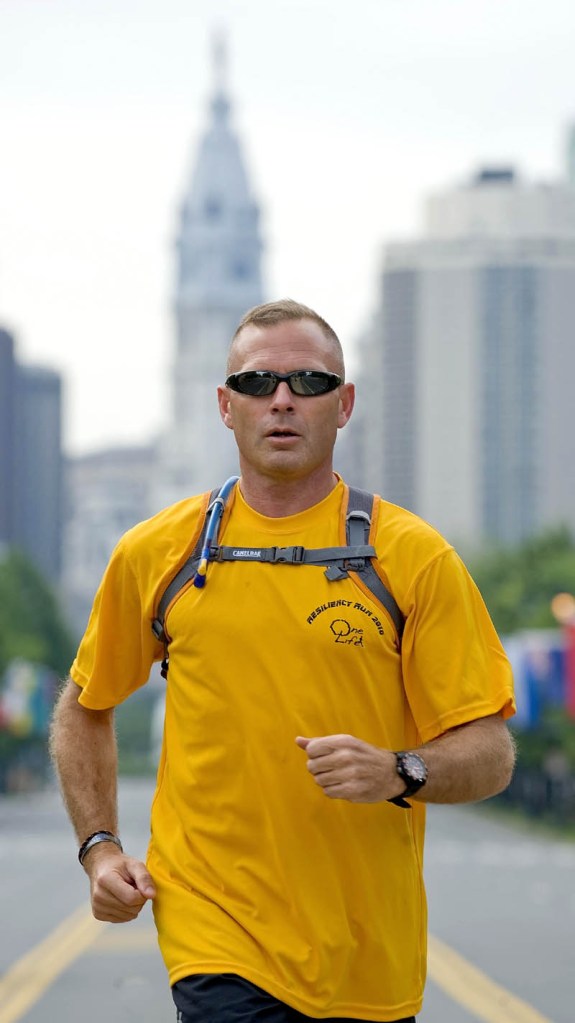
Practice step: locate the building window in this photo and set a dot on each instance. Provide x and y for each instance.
(212, 208)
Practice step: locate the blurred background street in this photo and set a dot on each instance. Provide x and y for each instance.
(501, 896)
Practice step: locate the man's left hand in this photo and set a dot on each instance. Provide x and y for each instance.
(348, 768)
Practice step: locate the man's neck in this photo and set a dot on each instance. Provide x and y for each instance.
(276, 498)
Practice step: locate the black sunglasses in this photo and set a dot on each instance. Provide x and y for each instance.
(261, 382)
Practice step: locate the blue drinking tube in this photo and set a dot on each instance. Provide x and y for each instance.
(216, 513)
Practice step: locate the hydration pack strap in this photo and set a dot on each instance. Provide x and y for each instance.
(339, 561)
(297, 555)
(358, 527)
(183, 577)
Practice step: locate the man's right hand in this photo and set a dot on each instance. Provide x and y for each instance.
(119, 885)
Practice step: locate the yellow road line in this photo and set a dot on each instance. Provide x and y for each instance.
(474, 990)
(25, 982)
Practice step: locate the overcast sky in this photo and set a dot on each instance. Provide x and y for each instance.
(350, 114)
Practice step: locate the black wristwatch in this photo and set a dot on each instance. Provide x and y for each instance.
(413, 769)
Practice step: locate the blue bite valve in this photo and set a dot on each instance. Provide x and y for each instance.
(200, 576)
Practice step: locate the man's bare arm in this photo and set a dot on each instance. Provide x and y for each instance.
(84, 751)
(466, 764)
(83, 747)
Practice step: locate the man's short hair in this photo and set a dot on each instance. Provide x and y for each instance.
(271, 313)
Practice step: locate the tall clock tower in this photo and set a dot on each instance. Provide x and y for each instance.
(218, 278)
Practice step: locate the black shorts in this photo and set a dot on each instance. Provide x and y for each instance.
(225, 998)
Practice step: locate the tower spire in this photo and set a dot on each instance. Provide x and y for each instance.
(220, 60)
(220, 103)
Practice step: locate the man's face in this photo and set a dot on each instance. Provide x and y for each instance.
(285, 435)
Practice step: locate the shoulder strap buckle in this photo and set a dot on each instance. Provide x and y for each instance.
(336, 571)
(291, 555)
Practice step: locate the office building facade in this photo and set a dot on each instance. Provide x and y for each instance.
(31, 467)
(38, 475)
(473, 354)
(107, 492)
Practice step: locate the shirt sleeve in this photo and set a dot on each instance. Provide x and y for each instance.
(118, 648)
(454, 666)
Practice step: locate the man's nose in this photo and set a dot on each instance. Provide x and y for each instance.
(282, 396)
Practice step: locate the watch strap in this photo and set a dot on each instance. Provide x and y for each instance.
(400, 801)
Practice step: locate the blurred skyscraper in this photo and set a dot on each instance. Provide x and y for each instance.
(38, 478)
(107, 492)
(31, 471)
(471, 363)
(218, 278)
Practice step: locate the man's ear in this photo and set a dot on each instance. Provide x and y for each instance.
(346, 403)
(224, 405)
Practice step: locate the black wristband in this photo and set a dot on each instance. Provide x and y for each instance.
(95, 839)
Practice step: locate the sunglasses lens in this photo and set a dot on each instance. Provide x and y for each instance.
(255, 384)
(309, 383)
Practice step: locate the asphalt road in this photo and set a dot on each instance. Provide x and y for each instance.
(502, 923)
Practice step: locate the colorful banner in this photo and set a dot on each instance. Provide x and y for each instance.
(27, 694)
(539, 661)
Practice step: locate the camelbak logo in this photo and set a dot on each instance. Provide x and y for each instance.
(247, 554)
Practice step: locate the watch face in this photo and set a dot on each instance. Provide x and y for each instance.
(413, 767)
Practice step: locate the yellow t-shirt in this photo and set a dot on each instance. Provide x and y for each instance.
(319, 901)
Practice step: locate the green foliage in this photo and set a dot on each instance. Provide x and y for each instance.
(31, 629)
(518, 585)
(31, 624)
(554, 735)
(133, 729)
